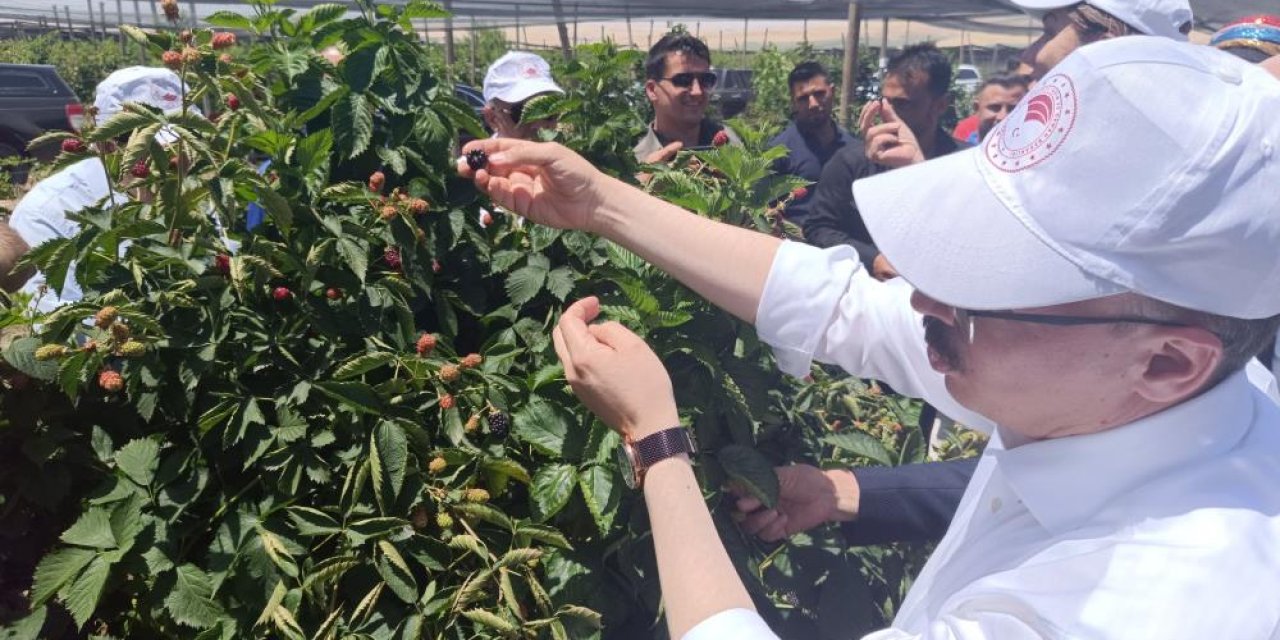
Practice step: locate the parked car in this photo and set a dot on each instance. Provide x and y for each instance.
(733, 91)
(33, 100)
(968, 78)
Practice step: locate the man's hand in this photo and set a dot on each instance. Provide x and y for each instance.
(542, 181)
(614, 372)
(891, 143)
(807, 497)
(881, 269)
(664, 154)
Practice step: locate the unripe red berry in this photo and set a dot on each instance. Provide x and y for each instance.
(233, 102)
(223, 40)
(377, 180)
(172, 59)
(105, 317)
(446, 401)
(280, 294)
(388, 213)
(140, 169)
(486, 219)
(426, 343)
(472, 360)
(419, 206)
(185, 36)
(222, 264)
(333, 293)
(799, 193)
(450, 372)
(191, 55)
(110, 380)
(225, 58)
(392, 256)
(73, 145)
(720, 139)
(435, 266)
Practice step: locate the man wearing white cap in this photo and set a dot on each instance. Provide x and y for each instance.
(41, 215)
(1132, 487)
(510, 83)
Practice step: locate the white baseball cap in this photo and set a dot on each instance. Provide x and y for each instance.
(153, 86)
(1138, 164)
(1165, 18)
(517, 76)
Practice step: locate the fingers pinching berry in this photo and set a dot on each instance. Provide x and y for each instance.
(477, 159)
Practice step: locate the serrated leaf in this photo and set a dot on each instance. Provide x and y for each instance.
(491, 620)
(542, 425)
(138, 460)
(356, 395)
(57, 569)
(229, 20)
(544, 534)
(560, 282)
(750, 469)
(191, 601)
(389, 455)
(81, 595)
(506, 467)
(468, 542)
(584, 614)
(484, 513)
(525, 283)
(362, 364)
(355, 256)
(313, 522)
(21, 353)
(861, 444)
(352, 125)
(92, 529)
(395, 572)
(518, 557)
(277, 206)
(551, 489)
(601, 491)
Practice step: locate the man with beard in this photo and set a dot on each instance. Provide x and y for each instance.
(813, 135)
(1131, 486)
(678, 83)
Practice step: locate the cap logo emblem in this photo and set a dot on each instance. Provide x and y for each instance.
(530, 72)
(1036, 129)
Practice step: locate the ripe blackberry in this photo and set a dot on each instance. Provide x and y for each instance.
(477, 159)
(499, 424)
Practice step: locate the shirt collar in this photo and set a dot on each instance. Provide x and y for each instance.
(1065, 481)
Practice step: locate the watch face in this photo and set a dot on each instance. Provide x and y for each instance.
(627, 465)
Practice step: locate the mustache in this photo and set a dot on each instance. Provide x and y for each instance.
(942, 339)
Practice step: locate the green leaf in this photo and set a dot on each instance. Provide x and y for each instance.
(560, 282)
(517, 557)
(752, 471)
(542, 425)
(584, 614)
(525, 283)
(360, 67)
(389, 454)
(21, 353)
(191, 601)
(506, 467)
(27, 627)
(352, 125)
(356, 395)
(277, 206)
(229, 20)
(57, 569)
(395, 572)
(81, 596)
(602, 495)
(362, 364)
(861, 444)
(544, 534)
(491, 620)
(313, 522)
(552, 487)
(92, 529)
(484, 513)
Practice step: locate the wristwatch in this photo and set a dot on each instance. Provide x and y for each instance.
(636, 456)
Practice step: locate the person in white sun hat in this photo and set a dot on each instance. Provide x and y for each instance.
(1076, 280)
(510, 83)
(41, 215)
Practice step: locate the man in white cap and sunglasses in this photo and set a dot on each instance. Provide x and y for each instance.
(515, 79)
(41, 215)
(1132, 487)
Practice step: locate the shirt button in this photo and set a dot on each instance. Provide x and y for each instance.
(996, 503)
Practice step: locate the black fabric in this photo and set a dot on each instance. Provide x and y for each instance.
(833, 218)
(911, 503)
(805, 158)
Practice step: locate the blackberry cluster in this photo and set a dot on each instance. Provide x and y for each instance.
(499, 424)
(477, 159)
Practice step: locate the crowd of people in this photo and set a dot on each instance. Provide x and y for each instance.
(1086, 270)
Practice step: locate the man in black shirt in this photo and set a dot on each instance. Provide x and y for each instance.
(813, 136)
(914, 97)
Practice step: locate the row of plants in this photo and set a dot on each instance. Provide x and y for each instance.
(350, 422)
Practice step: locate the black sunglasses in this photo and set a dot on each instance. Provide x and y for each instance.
(685, 80)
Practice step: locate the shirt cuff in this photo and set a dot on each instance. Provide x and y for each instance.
(800, 297)
(739, 624)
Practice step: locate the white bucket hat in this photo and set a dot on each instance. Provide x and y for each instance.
(1139, 164)
(153, 86)
(517, 76)
(1165, 18)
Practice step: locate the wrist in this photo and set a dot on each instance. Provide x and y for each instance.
(614, 203)
(653, 423)
(847, 495)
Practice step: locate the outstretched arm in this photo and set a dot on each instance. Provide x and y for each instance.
(552, 185)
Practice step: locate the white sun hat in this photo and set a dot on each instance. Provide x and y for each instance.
(517, 76)
(1164, 18)
(1139, 164)
(153, 86)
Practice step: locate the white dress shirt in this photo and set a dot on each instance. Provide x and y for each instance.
(1168, 527)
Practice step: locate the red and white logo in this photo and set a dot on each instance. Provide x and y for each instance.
(530, 71)
(1036, 129)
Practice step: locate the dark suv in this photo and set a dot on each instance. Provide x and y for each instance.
(733, 92)
(33, 99)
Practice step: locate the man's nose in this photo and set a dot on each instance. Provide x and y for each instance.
(696, 88)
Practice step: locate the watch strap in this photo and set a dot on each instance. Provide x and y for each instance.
(664, 444)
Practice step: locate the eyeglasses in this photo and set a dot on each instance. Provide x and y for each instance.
(685, 80)
(964, 319)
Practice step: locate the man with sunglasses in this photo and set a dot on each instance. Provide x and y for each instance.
(510, 83)
(1132, 488)
(678, 83)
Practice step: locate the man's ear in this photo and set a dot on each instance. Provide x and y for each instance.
(1180, 362)
(651, 89)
